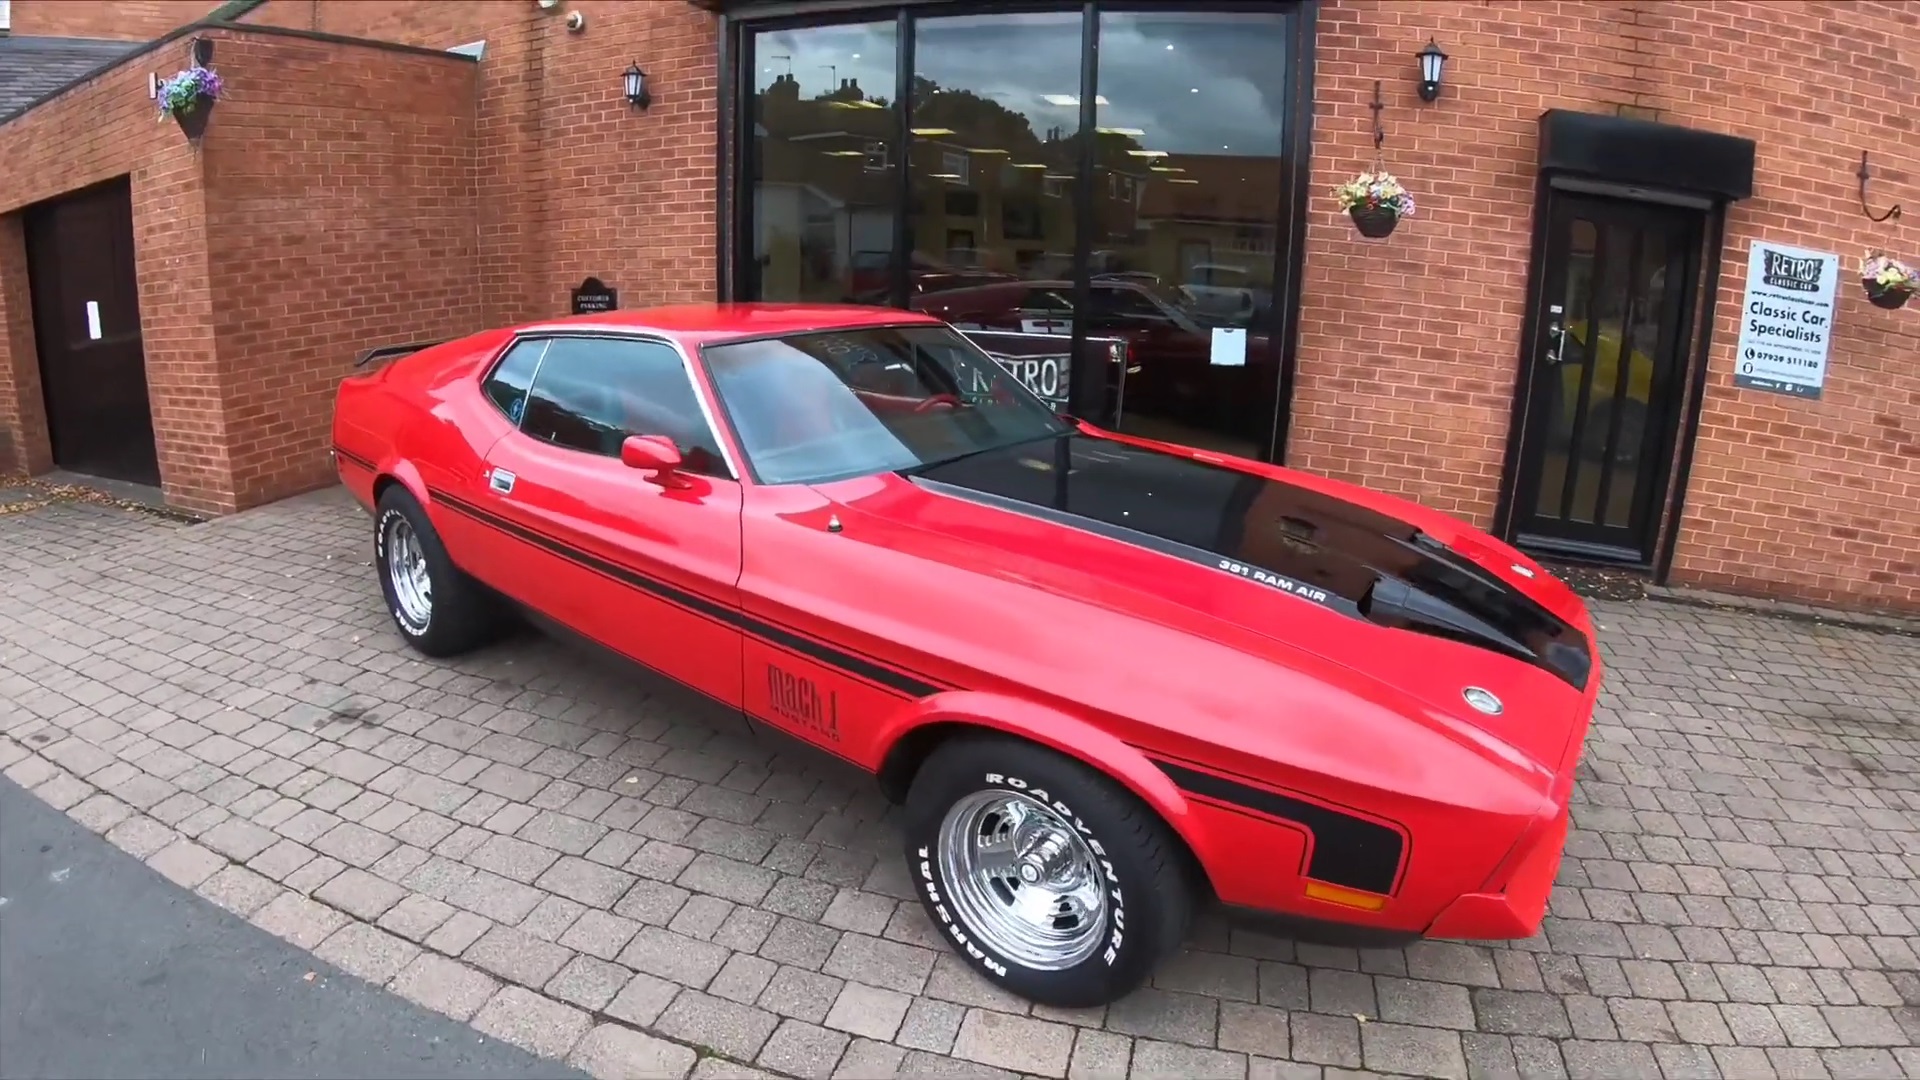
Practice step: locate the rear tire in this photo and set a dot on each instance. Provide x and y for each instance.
(438, 610)
(1045, 876)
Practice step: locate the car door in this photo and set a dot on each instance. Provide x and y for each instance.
(647, 566)
(814, 667)
(456, 468)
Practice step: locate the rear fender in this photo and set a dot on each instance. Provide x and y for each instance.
(1050, 728)
(408, 476)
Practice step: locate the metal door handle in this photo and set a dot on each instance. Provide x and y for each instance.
(1557, 341)
(500, 481)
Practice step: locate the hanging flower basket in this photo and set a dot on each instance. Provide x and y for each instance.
(1375, 201)
(188, 98)
(1889, 282)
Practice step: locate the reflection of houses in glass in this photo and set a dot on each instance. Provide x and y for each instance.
(989, 197)
(823, 197)
(1210, 216)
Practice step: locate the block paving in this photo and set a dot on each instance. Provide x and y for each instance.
(590, 864)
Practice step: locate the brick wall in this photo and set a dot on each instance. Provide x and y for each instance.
(23, 417)
(120, 20)
(302, 229)
(1408, 347)
(572, 182)
(334, 223)
(96, 131)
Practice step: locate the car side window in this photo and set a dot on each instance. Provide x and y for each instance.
(506, 386)
(592, 393)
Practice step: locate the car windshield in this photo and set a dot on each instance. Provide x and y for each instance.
(814, 407)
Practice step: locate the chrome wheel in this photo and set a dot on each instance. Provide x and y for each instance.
(407, 572)
(1022, 880)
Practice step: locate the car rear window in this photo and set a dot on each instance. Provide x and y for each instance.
(814, 407)
(506, 386)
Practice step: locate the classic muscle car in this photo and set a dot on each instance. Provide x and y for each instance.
(1111, 680)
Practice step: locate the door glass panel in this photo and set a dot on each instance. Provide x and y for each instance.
(1616, 419)
(822, 153)
(1601, 413)
(1616, 285)
(1186, 198)
(996, 107)
(1595, 294)
(590, 394)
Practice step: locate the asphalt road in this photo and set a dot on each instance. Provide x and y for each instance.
(108, 969)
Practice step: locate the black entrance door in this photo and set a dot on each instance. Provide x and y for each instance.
(1602, 397)
(86, 319)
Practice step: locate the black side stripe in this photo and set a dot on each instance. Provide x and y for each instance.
(871, 671)
(352, 458)
(1348, 851)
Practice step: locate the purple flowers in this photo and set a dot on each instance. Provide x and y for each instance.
(183, 92)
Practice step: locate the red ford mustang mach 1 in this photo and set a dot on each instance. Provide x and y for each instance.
(1110, 679)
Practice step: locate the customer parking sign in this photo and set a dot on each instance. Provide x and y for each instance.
(1786, 320)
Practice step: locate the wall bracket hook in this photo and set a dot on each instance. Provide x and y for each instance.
(1893, 212)
(1379, 130)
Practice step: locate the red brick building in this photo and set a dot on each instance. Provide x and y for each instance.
(1565, 343)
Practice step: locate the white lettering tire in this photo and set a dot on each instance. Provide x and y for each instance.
(437, 609)
(1045, 876)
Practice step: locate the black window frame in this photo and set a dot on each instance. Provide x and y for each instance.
(721, 456)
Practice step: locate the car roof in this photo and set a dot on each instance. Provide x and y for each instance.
(703, 324)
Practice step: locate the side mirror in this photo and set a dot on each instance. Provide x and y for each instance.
(653, 453)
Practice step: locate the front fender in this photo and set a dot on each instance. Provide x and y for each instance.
(1051, 728)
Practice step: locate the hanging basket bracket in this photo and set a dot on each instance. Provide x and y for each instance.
(1893, 212)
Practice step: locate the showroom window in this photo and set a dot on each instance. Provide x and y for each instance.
(965, 162)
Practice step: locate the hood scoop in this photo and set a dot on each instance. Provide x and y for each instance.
(1482, 617)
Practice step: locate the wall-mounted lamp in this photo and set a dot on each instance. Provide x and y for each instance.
(635, 81)
(1432, 60)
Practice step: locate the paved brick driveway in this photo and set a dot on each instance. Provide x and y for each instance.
(599, 868)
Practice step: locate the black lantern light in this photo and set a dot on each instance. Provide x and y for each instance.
(1431, 61)
(635, 81)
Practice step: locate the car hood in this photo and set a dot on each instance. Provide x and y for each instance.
(1300, 537)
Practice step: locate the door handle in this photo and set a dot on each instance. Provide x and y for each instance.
(1556, 341)
(500, 481)
(1556, 336)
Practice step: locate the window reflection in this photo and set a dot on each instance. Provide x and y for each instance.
(1183, 199)
(995, 112)
(1187, 189)
(823, 149)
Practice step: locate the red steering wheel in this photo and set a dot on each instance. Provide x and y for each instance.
(951, 401)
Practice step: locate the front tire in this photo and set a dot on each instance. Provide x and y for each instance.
(1045, 876)
(439, 610)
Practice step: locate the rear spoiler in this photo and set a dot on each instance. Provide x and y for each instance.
(394, 352)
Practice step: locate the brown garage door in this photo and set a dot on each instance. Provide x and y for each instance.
(86, 318)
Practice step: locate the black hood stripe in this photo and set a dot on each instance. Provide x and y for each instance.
(1320, 548)
(1137, 538)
